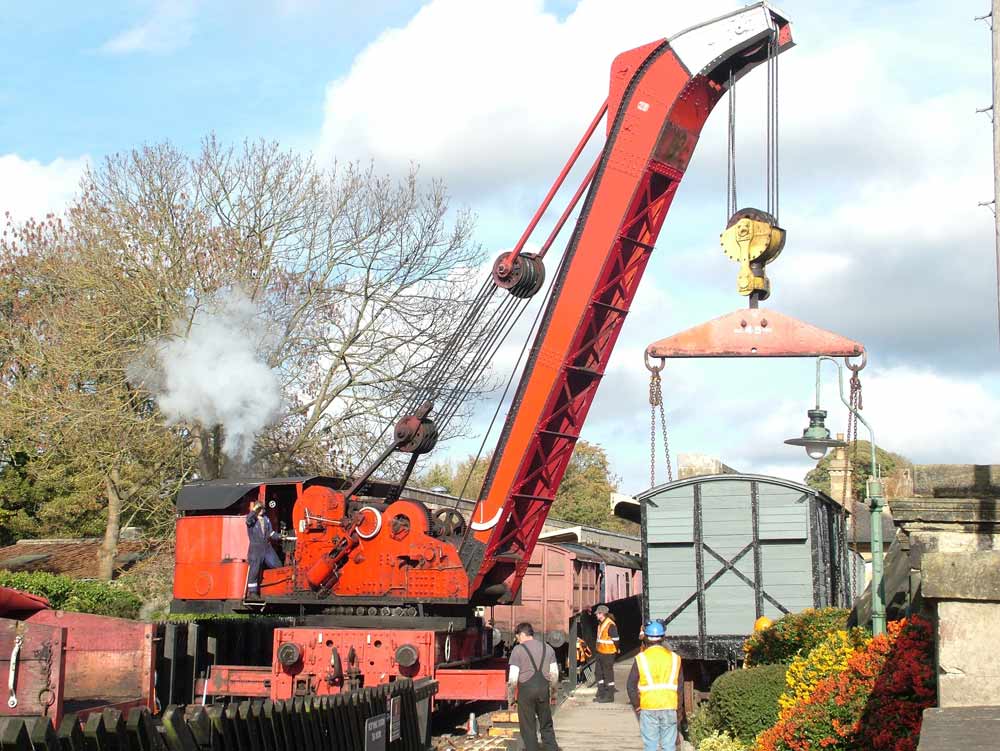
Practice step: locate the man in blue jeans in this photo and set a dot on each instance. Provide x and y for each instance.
(652, 690)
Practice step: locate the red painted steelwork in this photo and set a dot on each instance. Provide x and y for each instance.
(388, 554)
(40, 676)
(557, 228)
(477, 684)
(310, 661)
(755, 332)
(555, 186)
(108, 661)
(250, 681)
(14, 601)
(210, 562)
(657, 111)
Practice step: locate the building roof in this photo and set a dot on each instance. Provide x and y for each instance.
(76, 558)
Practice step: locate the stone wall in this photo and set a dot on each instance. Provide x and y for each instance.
(954, 547)
(965, 590)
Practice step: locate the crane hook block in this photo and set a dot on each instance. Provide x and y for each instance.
(753, 239)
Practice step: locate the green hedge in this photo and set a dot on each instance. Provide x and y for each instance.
(66, 593)
(746, 701)
(783, 641)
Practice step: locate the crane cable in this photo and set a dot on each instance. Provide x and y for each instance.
(771, 138)
(731, 152)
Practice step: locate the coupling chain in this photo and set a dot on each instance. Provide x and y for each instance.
(656, 401)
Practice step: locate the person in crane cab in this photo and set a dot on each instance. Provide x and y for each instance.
(652, 690)
(607, 650)
(261, 554)
(531, 686)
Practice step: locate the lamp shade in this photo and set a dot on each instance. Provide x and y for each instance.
(816, 438)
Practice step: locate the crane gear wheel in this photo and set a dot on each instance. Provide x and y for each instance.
(522, 277)
(753, 239)
(448, 522)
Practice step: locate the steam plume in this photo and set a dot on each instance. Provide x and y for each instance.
(214, 374)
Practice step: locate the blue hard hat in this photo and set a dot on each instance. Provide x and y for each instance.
(654, 629)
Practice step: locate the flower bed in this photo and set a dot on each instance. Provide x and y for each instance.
(828, 658)
(793, 635)
(875, 704)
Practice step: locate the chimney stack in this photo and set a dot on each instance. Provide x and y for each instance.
(841, 473)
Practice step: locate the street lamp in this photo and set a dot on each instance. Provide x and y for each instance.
(816, 440)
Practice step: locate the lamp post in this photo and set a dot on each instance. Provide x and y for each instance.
(816, 440)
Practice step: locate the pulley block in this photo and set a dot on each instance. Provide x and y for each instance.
(753, 239)
(522, 277)
(416, 434)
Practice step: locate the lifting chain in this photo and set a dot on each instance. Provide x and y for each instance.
(852, 454)
(656, 401)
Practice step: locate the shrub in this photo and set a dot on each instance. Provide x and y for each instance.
(827, 658)
(875, 704)
(793, 634)
(66, 593)
(746, 701)
(721, 742)
(701, 724)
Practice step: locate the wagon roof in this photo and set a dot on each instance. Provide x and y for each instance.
(768, 479)
(599, 555)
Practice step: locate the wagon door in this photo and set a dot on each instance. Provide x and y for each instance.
(708, 547)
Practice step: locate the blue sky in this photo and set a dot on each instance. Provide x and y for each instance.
(884, 160)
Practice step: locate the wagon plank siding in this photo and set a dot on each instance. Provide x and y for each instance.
(735, 546)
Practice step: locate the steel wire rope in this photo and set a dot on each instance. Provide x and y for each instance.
(731, 151)
(771, 130)
(439, 370)
(486, 361)
(421, 392)
(460, 374)
(513, 372)
(481, 360)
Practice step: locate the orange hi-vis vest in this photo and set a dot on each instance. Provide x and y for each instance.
(605, 644)
(659, 671)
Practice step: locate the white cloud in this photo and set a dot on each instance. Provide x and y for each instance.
(883, 163)
(170, 25)
(483, 93)
(31, 189)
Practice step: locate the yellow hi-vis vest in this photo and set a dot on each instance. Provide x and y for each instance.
(659, 671)
(605, 644)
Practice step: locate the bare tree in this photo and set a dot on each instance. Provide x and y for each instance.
(360, 278)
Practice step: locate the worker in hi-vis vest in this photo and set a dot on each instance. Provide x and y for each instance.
(607, 650)
(652, 689)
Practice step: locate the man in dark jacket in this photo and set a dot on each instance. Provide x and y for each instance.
(261, 554)
(531, 685)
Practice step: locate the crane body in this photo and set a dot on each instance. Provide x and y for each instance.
(364, 566)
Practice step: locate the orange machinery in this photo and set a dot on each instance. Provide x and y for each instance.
(381, 587)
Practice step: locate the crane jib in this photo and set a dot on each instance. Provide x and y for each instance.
(661, 95)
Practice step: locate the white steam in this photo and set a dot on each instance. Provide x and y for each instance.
(212, 372)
